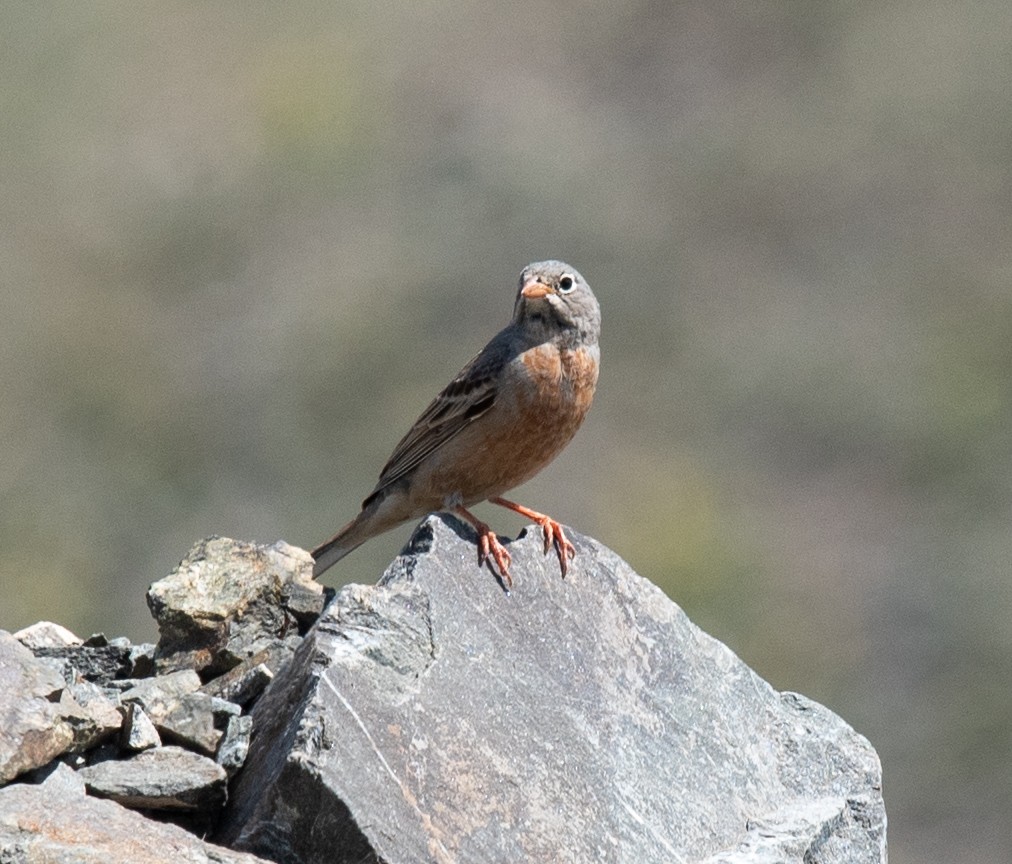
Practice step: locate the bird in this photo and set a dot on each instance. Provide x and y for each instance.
(507, 414)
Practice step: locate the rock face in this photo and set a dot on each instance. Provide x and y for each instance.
(432, 718)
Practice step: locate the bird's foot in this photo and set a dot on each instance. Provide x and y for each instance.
(554, 535)
(490, 549)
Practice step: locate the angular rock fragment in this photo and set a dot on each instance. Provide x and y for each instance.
(235, 743)
(228, 600)
(139, 732)
(46, 634)
(103, 711)
(163, 778)
(244, 683)
(39, 718)
(142, 660)
(197, 721)
(97, 659)
(158, 696)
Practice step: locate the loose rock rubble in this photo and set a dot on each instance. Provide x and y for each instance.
(159, 728)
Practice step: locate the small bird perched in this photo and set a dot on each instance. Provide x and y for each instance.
(507, 414)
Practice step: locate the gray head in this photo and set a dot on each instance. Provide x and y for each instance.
(555, 299)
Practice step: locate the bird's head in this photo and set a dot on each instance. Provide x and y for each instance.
(555, 298)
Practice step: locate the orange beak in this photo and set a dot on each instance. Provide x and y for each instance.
(535, 290)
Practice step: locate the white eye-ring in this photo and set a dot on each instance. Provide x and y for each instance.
(566, 283)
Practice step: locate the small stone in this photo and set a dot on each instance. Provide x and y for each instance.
(300, 598)
(65, 778)
(244, 683)
(41, 719)
(158, 696)
(97, 659)
(164, 778)
(142, 660)
(46, 634)
(235, 743)
(222, 709)
(197, 720)
(180, 659)
(103, 711)
(69, 762)
(139, 732)
(96, 640)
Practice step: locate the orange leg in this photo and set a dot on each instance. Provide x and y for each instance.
(554, 535)
(489, 547)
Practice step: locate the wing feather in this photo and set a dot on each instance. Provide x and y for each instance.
(469, 395)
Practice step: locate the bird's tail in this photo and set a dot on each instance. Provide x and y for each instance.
(379, 513)
(327, 554)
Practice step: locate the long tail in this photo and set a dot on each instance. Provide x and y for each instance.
(380, 513)
(350, 537)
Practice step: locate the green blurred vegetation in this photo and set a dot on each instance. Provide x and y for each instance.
(244, 244)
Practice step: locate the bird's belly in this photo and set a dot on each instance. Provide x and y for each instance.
(552, 395)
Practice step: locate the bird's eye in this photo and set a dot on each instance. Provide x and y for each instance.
(566, 284)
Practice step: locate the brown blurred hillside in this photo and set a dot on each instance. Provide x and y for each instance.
(242, 245)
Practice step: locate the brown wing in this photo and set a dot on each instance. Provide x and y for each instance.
(466, 397)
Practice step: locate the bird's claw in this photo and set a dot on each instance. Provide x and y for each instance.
(555, 536)
(489, 547)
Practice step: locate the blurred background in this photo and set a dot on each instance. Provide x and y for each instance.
(243, 245)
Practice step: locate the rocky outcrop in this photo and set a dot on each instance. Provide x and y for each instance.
(428, 718)
(433, 718)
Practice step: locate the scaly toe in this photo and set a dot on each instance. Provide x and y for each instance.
(554, 535)
(490, 547)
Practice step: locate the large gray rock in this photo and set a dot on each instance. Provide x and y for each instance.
(432, 718)
(56, 823)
